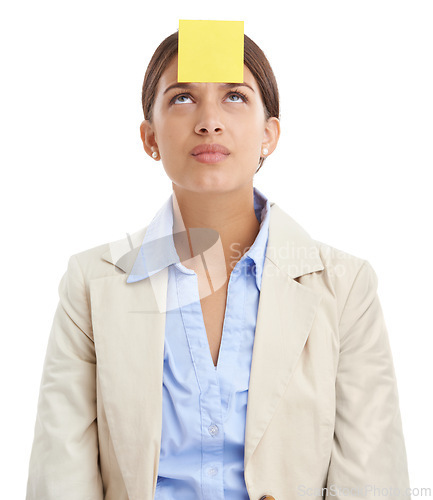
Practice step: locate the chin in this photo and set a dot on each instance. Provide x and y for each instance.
(209, 183)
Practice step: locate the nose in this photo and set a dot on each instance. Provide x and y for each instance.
(209, 121)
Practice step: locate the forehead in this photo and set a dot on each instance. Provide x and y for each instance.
(169, 76)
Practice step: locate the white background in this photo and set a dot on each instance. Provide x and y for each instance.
(353, 165)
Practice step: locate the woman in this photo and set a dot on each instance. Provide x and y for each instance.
(161, 339)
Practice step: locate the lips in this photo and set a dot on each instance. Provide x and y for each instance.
(210, 149)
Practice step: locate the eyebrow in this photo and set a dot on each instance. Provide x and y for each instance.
(180, 85)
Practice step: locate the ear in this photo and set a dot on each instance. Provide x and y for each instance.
(147, 134)
(271, 134)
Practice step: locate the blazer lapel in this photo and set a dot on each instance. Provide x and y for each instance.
(285, 317)
(129, 330)
(129, 342)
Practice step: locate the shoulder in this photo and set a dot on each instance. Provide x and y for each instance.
(307, 259)
(348, 280)
(107, 259)
(340, 264)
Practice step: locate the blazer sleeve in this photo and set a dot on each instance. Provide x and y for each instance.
(64, 460)
(368, 453)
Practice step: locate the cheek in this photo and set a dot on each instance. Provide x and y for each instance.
(170, 131)
(252, 126)
(166, 135)
(250, 138)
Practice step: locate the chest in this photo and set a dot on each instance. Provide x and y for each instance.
(213, 308)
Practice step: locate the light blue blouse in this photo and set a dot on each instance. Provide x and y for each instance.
(204, 407)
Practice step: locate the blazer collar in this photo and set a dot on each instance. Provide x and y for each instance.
(289, 247)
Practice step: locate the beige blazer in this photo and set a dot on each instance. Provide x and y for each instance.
(323, 407)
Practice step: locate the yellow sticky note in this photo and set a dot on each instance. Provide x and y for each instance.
(211, 51)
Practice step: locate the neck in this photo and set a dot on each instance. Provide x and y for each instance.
(230, 214)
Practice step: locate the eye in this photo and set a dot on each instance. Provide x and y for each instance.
(240, 96)
(179, 96)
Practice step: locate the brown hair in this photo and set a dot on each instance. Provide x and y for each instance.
(254, 59)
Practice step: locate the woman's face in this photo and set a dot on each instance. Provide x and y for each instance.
(188, 115)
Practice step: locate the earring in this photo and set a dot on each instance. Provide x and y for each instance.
(265, 151)
(155, 154)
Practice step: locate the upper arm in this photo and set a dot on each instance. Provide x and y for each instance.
(368, 447)
(64, 456)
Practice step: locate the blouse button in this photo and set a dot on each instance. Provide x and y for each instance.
(213, 430)
(267, 497)
(212, 471)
